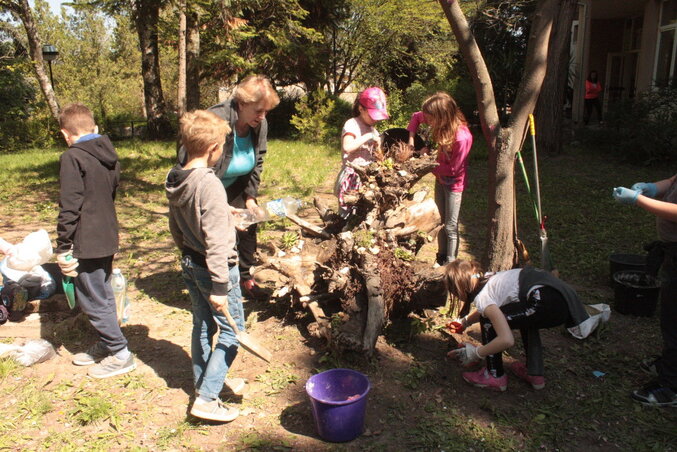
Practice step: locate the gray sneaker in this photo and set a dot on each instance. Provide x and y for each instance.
(112, 366)
(93, 355)
(214, 411)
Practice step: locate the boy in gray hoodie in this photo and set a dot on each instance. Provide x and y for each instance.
(202, 227)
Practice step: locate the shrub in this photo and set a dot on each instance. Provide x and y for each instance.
(320, 117)
(311, 118)
(279, 118)
(643, 130)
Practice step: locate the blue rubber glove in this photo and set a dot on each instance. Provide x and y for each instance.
(625, 195)
(647, 189)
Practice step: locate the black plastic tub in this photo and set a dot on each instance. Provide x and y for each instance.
(635, 293)
(620, 262)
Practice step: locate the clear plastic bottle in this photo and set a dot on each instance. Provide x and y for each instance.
(275, 208)
(122, 304)
(283, 206)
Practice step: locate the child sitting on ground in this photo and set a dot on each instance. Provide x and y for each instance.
(527, 299)
(87, 236)
(359, 142)
(203, 228)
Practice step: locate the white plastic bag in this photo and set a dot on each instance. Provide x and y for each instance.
(599, 313)
(32, 352)
(35, 249)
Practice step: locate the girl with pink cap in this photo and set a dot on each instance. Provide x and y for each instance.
(359, 141)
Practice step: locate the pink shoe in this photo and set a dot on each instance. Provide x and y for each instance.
(520, 371)
(483, 379)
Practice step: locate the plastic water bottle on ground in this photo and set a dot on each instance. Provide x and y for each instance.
(122, 304)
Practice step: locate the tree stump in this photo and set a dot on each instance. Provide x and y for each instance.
(359, 272)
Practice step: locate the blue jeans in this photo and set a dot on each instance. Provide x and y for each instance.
(449, 204)
(211, 366)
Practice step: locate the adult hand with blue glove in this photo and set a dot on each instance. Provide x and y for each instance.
(625, 195)
(645, 188)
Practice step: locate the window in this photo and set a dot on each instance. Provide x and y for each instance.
(666, 52)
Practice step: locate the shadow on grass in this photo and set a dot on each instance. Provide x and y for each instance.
(169, 361)
(165, 287)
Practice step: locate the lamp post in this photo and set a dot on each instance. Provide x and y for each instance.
(49, 53)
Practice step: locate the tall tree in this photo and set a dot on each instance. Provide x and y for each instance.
(183, 28)
(550, 108)
(503, 142)
(376, 41)
(192, 60)
(146, 18)
(22, 11)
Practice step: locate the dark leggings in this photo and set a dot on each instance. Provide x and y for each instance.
(588, 106)
(545, 308)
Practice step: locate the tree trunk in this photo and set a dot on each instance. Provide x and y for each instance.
(502, 143)
(192, 61)
(550, 108)
(23, 10)
(147, 17)
(181, 90)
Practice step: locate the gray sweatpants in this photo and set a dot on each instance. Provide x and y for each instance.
(94, 295)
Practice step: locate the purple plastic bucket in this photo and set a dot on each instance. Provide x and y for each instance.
(339, 401)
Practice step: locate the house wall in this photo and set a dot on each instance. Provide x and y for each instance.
(647, 56)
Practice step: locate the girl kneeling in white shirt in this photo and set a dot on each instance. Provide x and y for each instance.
(527, 299)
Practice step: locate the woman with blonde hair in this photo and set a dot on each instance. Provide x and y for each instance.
(450, 132)
(240, 166)
(527, 299)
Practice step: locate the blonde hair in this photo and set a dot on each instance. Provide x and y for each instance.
(201, 129)
(461, 277)
(255, 88)
(77, 119)
(446, 118)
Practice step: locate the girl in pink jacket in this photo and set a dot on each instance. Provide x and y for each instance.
(449, 130)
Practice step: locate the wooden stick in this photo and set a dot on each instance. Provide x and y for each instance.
(309, 227)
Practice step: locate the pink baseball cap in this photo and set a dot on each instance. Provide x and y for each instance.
(374, 100)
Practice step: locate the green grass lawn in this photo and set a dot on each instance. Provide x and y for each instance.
(576, 412)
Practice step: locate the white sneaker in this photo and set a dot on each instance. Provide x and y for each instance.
(93, 355)
(214, 411)
(112, 366)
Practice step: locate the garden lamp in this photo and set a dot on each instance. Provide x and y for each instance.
(49, 53)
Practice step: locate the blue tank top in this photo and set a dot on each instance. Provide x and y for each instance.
(242, 162)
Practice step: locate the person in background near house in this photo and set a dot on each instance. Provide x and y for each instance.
(660, 199)
(241, 164)
(527, 299)
(592, 90)
(359, 142)
(454, 140)
(202, 228)
(87, 236)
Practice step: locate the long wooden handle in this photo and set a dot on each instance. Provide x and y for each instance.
(231, 321)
